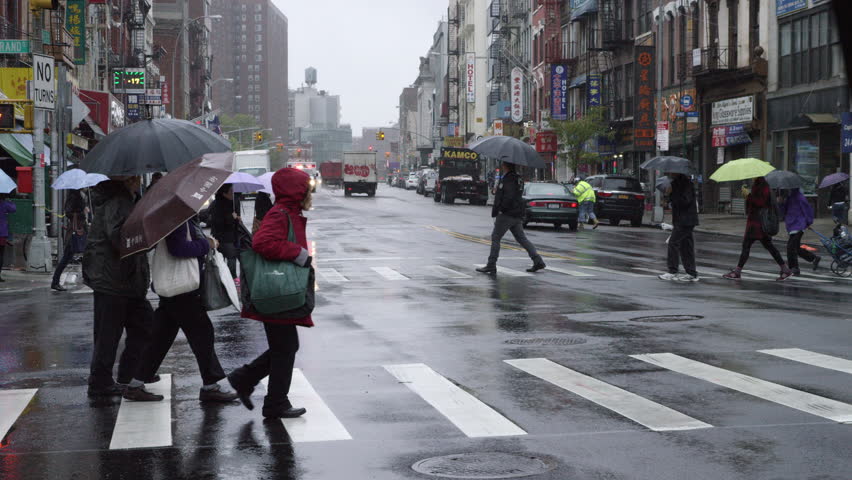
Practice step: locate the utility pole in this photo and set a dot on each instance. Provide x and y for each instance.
(658, 48)
(38, 253)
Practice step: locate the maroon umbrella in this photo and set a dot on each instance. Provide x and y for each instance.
(173, 200)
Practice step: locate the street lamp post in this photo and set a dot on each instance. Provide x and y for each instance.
(183, 27)
(204, 103)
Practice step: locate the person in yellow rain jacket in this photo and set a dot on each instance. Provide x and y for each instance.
(586, 198)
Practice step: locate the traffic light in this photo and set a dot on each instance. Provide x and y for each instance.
(387, 154)
(371, 148)
(299, 152)
(380, 135)
(7, 116)
(279, 147)
(258, 136)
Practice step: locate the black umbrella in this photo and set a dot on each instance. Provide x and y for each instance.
(509, 150)
(783, 179)
(668, 165)
(158, 145)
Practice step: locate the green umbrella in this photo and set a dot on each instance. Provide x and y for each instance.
(742, 169)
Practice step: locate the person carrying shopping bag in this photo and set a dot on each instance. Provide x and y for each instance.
(292, 196)
(798, 216)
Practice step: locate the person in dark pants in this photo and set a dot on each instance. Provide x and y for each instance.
(262, 204)
(75, 218)
(684, 219)
(119, 285)
(6, 208)
(508, 212)
(183, 312)
(292, 195)
(224, 218)
(759, 198)
(837, 200)
(798, 216)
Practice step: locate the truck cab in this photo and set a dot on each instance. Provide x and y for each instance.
(460, 176)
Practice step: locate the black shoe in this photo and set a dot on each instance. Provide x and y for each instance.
(796, 272)
(816, 263)
(280, 412)
(216, 395)
(536, 267)
(487, 269)
(57, 287)
(154, 379)
(139, 394)
(107, 391)
(243, 391)
(1, 280)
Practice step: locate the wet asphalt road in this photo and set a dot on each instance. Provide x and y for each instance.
(398, 296)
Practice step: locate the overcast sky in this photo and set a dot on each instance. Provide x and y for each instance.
(366, 51)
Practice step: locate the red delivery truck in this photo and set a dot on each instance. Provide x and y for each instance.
(331, 174)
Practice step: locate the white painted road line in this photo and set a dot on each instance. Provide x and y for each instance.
(772, 275)
(145, 424)
(773, 392)
(319, 424)
(444, 272)
(508, 271)
(812, 358)
(616, 272)
(83, 290)
(639, 409)
(564, 271)
(331, 275)
(470, 415)
(388, 273)
(12, 405)
(713, 271)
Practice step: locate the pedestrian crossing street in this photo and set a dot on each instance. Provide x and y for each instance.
(149, 425)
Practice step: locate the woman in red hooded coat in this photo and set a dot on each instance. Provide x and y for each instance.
(292, 195)
(758, 199)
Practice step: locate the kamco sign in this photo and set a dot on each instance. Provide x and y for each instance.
(459, 153)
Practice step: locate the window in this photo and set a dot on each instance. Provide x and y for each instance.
(258, 38)
(243, 6)
(753, 27)
(682, 47)
(243, 58)
(671, 43)
(809, 49)
(258, 18)
(243, 17)
(243, 27)
(243, 47)
(258, 28)
(628, 95)
(257, 7)
(243, 38)
(733, 33)
(645, 15)
(258, 58)
(696, 27)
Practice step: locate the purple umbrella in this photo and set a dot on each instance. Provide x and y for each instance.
(833, 179)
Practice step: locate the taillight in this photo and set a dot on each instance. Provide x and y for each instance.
(640, 197)
(573, 205)
(536, 204)
(604, 194)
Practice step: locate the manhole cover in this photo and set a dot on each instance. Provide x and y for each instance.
(547, 341)
(666, 318)
(481, 465)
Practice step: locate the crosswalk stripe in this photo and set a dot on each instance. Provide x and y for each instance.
(12, 404)
(319, 424)
(388, 273)
(772, 275)
(332, 275)
(565, 271)
(616, 272)
(145, 424)
(773, 392)
(83, 290)
(508, 271)
(473, 417)
(812, 358)
(639, 409)
(713, 271)
(445, 272)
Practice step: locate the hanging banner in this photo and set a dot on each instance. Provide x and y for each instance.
(594, 90)
(559, 92)
(75, 23)
(517, 95)
(663, 136)
(643, 117)
(470, 77)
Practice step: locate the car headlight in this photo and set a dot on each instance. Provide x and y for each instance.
(313, 182)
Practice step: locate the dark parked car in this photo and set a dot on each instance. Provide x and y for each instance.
(550, 203)
(618, 198)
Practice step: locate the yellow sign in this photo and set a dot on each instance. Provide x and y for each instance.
(13, 84)
(457, 142)
(77, 141)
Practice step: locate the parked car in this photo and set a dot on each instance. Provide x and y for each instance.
(618, 197)
(411, 181)
(428, 179)
(400, 180)
(550, 203)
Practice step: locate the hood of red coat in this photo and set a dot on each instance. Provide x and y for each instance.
(290, 186)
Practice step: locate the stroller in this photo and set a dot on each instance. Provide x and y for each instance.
(839, 246)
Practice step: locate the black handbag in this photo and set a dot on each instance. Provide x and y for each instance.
(769, 221)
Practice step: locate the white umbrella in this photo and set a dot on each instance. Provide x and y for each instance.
(6, 183)
(76, 179)
(243, 182)
(266, 180)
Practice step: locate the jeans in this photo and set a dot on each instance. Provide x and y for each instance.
(795, 250)
(67, 255)
(767, 244)
(277, 362)
(587, 212)
(502, 224)
(113, 316)
(682, 249)
(183, 312)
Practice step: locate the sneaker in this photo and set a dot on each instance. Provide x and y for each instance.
(785, 274)
(685, 277)
(816, 263)
(139, 394)
(217, 395)
(733, 274)
(668, 277)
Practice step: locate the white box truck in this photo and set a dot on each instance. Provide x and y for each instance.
(359, 173)
(253, 162)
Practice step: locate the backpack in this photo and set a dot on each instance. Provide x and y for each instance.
(769, 218)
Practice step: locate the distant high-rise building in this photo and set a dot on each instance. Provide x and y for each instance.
(250, 47)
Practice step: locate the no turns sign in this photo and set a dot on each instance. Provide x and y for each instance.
(44, 85)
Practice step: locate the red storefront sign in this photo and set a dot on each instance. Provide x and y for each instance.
(643, 116)
(106, 110)
(164, 87)
(546, 142)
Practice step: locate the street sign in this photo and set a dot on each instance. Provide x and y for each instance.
(153, 96)
(687, 102)
(846, 132)
(663, 136)
(44, 87)
(14, 47)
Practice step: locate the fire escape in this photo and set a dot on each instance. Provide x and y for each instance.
(199, 63)
(615, 34)
(453, 49)
(136, 15)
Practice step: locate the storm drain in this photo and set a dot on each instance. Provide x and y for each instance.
(666, 318)
(559, 341)
(481, 465)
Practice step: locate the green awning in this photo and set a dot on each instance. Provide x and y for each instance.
(17, 151)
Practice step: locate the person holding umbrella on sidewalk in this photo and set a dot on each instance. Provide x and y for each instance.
(508, 209)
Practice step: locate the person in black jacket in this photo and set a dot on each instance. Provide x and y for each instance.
(225, 217)
(262, 204)
(837, 201)
(508, 213)
(684, 219)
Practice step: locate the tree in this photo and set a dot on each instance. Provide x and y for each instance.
(576, 136)
(241, 140)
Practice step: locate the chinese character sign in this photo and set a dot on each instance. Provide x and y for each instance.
(75, 22)
(517, 95)
(594, 92)
(559, 92)
(643, 111)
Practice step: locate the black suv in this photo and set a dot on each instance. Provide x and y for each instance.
(618, 197)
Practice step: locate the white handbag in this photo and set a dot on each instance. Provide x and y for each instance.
(173, 275)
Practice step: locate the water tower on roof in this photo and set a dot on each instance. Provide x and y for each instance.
(311, 76)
